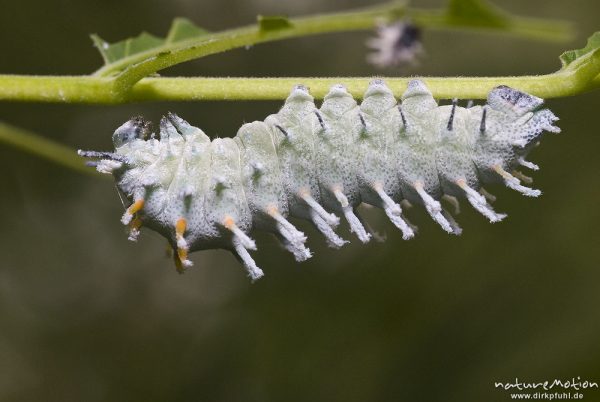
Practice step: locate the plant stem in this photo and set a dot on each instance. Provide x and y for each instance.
(45, 148)
(130, 85)
(142, 65)
(97, 90)
(525, 27)
(145, 63)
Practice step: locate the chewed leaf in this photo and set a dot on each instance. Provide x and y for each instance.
(181, 30)
(593, 43)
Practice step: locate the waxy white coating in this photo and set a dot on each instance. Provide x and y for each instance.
(318, 164)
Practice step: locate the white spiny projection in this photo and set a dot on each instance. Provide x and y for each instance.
(321, 163)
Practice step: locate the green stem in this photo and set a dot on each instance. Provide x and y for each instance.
(57, 89)
(524, 27)
(45, 148)
(130, 85)
(138, 66)
(95, 90)
(143, 64)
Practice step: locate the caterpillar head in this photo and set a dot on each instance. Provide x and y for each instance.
(133, 129)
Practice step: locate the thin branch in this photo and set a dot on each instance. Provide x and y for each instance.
(130, 85)
(145, 64)
(525, 27)
(107, 86)
(95, 90)
(174, 53)
(43, 147)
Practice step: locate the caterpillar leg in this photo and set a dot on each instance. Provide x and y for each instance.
(178, 265)
(182, 246)
(172, 253)
(355, 226)
(292, 239)
(453, 201)
(488, 196)
(241, 244)
(331, 219)
(323, 220)
(433, 207)
(134, 229)
(378, 237)
(393, 212)
(456, 229)
(411, 225)
(133, 209)
(521, 161)
(254, 272)
(519, 175)
(300, 253)
(479, 202)
(333, 240)
(512, 182)
(245, 241)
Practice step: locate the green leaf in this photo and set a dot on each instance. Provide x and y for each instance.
(273, 22)
(181, 30)
(593, 43)
(476, 13)
(119, 50)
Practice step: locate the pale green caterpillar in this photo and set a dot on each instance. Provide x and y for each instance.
(316, 164)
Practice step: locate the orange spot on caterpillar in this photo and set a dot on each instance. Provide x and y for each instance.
(228, 222)
(272, 210)
(180, 226)
(136, 206)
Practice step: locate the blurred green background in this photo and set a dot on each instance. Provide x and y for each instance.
(87, 315)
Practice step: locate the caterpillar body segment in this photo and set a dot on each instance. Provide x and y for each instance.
(320, 164)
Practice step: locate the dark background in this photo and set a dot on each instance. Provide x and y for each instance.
(87, 315)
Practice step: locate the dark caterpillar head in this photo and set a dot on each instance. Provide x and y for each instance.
(135, 128)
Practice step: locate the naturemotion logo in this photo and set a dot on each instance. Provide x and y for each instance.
(561, 389)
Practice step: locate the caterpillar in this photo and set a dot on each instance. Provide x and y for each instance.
(318, 164)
